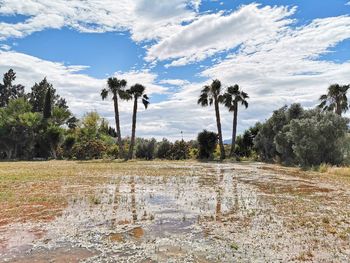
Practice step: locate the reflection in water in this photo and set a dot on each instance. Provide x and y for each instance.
(132, 209)
(133, 199)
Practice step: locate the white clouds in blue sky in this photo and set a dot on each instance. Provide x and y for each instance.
(263, 48)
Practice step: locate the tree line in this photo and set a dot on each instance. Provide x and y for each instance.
(39, 124)
(292, 135)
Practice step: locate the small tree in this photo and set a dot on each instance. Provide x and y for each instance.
(207, 143)
(164, 149)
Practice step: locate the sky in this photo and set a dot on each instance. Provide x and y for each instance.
(279, 52)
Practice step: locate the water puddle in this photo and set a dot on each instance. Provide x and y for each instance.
(187, 218)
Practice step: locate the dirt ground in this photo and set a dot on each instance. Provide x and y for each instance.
(106, 211)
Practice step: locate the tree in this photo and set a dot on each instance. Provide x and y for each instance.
(116, 88)
(232, 98)
(145, 149)
(8, 91)
(317, 139)
(47, 111)
(335, 99)
(136, 92)
(211, 94)
(164, 149)
(39, 93)
(207, 143)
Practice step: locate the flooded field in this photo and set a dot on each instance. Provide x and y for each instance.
(171, 212)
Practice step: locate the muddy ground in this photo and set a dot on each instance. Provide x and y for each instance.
(171, 212)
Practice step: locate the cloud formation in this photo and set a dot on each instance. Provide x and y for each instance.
(145, 19)
(262, 50)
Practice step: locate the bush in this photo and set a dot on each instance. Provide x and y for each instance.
(164, 149)
(180, 150)
(113, 151)
(207, 142)
(87, 150)
(304, 137)
(145, 149)
(318, 139)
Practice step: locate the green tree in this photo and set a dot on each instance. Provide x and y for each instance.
(232, 98)
(335, 99)
(207, 142)
(145, 149)
(164, 149)
(116, 88)
(18, 129)
(47, 111)
(317, 139)
(211, 94)
(9, 91)
(137, 92)
(38, 94)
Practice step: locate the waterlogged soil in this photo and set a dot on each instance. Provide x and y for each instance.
(178, 212)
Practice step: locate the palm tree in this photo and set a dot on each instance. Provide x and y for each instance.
(211, 94)
(137, 91)
(232, 97)
(116, 88)
(335, 99)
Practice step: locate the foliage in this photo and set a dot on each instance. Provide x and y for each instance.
(180, 150)
(207, 142)
(232, 97)
(245, 143)
(336, 99)
(305, 137)
(212, 94)
(87, 150)
(135, 92)
(145, 149)
(164, 149)
(9, 91)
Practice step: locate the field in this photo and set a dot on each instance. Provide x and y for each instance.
(109, 211)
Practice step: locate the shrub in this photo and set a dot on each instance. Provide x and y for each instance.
(164, 149)
(87, 150)
(180, 150)
(207, 142)
(145, 149)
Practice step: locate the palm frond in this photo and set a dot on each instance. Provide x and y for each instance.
(104, 94)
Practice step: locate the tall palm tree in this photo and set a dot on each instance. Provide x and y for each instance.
(211, 94)
(116, 88)
(136, 92)
(232, 98)
(335, 99)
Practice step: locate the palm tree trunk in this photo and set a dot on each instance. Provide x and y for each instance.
(338, 109)
(218, 123)
(133, 131)
(117, 125)
(234, 130)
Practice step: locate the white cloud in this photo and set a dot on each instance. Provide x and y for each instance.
(146, 19)
(275, 62)
(212, 33)
(5, 47)
(174, 82)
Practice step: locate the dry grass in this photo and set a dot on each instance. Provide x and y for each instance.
(34, 190)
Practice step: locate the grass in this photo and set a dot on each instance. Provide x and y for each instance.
(40, 190)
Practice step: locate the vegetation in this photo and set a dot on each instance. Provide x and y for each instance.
(207, 142)
(302, 137)
(335, 99)
(136, 92)
(232, 98)
(212, 94)
(116, 88)
(39, 124)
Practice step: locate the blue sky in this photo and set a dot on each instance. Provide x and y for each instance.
(280, 52)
